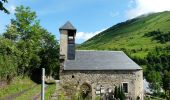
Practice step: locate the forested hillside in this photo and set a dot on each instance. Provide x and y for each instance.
(146, 39)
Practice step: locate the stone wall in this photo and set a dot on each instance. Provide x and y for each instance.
(64, 43)
(106, 79)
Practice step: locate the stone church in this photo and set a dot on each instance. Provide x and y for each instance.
(97, 71)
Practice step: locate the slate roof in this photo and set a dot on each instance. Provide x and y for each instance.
(100, 60)
(67, 26)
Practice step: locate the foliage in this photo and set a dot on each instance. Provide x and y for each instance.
(119, 93)
(2, 6)
(155, 81)
(26, 47)
(160, 36)
(116, 92)
(8, 59)
(166, 81)
(157, 66)
(49, 91)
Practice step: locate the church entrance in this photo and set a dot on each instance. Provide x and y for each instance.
(86, 91)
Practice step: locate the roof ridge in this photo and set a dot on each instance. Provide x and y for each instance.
(100, 50)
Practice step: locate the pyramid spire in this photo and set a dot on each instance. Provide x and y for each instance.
(67, 26)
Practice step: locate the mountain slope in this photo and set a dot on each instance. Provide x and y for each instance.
(130, 36)
(146, 40)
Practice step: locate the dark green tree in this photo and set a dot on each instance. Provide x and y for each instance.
(166, 80)
(36, 46)
(2, 6)
(116, 92)
(9, 56)
(119, 93)
(154, 78)
(122, 97)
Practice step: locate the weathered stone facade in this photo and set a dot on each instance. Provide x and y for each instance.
(100, 71)
(107, 79)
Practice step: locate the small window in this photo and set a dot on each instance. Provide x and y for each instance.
(72, 76)
(125, 87)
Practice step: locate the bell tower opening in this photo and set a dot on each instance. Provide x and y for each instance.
(67, 41)
(71, 45)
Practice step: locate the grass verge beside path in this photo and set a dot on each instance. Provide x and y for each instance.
(49, 91)
(29, 94)
(17, 85)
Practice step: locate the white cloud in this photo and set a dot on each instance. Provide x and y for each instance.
(12, 9)
(86, 35)
(147, 6)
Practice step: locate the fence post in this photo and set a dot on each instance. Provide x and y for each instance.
(43, 84)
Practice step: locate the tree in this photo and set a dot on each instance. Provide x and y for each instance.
(155, 81)
(36, 46)
(49, 55)
(119, 93)
(24, 31)
(8, 59)
(166, 80)
(2, 6)
(11, 33)
(116, 92)
(122, 93)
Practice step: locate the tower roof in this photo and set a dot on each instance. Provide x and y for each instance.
(67, 26)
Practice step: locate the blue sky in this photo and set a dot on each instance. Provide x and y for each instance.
(89, 16)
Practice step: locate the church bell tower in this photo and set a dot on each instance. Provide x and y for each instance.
(67, 41)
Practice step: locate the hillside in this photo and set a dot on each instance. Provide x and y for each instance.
(130, 36)
(146, 40)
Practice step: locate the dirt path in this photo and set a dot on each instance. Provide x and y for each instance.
(13, 96)
(2, 84)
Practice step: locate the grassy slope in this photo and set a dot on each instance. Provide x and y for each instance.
(130, 35)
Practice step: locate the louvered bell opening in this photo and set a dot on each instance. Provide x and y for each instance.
(71, 52)
(71, 45)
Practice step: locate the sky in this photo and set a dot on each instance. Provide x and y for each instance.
(89, 17)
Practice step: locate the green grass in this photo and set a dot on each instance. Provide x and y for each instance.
(35, 91)
(154, 98)
(50, 90)
(61, 96)
(97, 98)
(18, 84)
(130, 35)
(30, 94)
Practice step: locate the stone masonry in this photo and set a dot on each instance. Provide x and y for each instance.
(107, 79)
